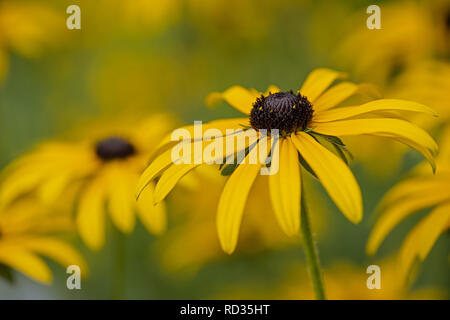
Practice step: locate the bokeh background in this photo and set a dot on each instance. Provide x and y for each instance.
(144, 57)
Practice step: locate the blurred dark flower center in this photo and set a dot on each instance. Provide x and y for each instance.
(114, 148)
(285, 111)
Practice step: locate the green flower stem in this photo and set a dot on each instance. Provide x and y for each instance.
(311, 253)
(118, 274)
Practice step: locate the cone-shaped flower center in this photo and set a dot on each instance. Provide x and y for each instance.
(114, 148)
(284, 111)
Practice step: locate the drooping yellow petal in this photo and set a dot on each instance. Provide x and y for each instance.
(414, 187)
(51, 189)
(157, 165)
(121, 201)
(25, 262)
(376, 105)
(90, 219)
(169, 179)
(175, 172)
(165, 159)
(152, 216)
(232, 202)
(19, 183)
(335, 95)
(429, 155)
(57, 250)
(334, 174)
(421, 239)
(222, 125)
(401, 129)
(399, 211)
(237, 96)
(285, 188)
(317, 81)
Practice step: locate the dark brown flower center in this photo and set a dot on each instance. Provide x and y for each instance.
(285, 111)
(114, 148)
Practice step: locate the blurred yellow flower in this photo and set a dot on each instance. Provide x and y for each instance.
(408, 34)
(28, 230)
(103, 167)
(414, 194)
(303, 118)
(28, 28)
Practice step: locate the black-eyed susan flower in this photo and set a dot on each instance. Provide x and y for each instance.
(100, 171)
(419, 192)
(303, 118)
(28, 231)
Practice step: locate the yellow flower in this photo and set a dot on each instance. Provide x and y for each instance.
(414, 194)
(303, 119)
(28, 28)
(377, 55)
(104, 168)
(28, 230)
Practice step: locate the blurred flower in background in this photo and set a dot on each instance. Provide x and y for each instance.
(29, 230)
(408, 35)
(103, 167)
(29, 29)
(416, 193)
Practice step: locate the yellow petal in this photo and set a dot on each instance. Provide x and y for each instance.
(90, 219)
(376, 105)
(414, 187)
(164, 160)
(317, 81)
(152, 216)
(271, 89)
(237, 96)
(169, 179)
(421, 239)
(399, 211)
(334, 174)
(335, 95)
(401, 129)
(19, 183)
(232, 202)
(222, 125)
(285, 188)
(121, 201)
(25, 262)
(57, 250)
(174, 173)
